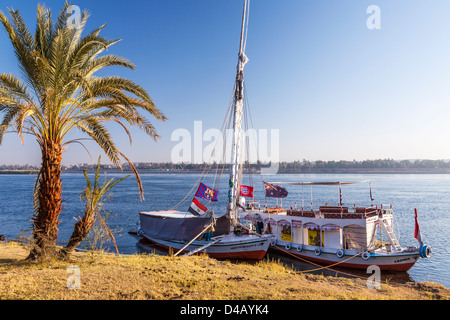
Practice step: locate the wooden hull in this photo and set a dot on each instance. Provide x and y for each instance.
(245, 247)
(386, 262)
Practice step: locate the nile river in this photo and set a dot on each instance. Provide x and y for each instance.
(430, 194)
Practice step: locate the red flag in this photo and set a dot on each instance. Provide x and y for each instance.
(417, 233)
(246, 191)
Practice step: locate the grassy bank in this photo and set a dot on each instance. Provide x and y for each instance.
(110, 277)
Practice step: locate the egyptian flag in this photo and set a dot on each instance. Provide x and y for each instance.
(197, 208)
(273, 191)
(246, 191)
(340, 196)
(205, 192)
(417, 233)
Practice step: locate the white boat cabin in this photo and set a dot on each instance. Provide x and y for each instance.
(359, 228)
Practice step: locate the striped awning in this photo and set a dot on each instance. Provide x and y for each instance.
(311, 226)
(297, 224)
(330, 227)
(283, 223)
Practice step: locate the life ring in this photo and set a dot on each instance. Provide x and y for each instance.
(424, 251)
(340, 253)
(317, 251)
(288, 246)
(365, 255)
(300, 248)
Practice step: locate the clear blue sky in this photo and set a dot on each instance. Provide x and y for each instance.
(335, 89)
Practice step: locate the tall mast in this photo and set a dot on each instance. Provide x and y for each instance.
(238, 106)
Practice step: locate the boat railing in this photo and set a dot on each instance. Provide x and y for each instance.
(327, 212)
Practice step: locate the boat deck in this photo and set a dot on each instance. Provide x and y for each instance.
(328, 212)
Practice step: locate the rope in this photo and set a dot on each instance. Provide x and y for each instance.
(322, 267)
(246, 27)
(191, 191)
(329, 267)
(208, 167)
(209, 226)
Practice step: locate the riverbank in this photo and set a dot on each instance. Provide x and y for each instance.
(153, 277)
(346, 171)
(19, 171)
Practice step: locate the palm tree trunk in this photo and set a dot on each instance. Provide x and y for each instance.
(45, 228)
(80, 232)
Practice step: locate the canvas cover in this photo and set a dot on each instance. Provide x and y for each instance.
(356, 237)
(173, 225)
(222, 226)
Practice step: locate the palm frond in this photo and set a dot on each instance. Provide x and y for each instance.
(8, 118)
(21, 117)
(13, 86)
(136, 174)
(59, 89)
(44, 30)
(23, 47)
(91, 66)
(101, 136)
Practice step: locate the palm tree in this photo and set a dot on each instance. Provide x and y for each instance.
(59, 93)
(94, 196)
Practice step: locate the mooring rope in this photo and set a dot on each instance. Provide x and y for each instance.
(332, 265)
(203, 231)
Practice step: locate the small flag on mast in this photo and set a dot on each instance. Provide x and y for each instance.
(205, 192)
(197, 208)
(417, 233)
(246, 191)
(273, 191)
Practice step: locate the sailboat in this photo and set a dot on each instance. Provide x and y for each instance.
(199, 229)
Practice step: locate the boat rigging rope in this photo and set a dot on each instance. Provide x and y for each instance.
(190, 191)
(246, 26)
(224, 126)
(208, 167)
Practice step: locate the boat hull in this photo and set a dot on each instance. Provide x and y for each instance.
(245, 247)
(386, 262)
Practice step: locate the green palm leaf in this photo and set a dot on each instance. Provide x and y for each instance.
(58, 91)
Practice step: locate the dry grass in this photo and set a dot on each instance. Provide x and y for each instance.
(110, 277)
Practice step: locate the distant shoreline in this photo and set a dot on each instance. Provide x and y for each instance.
(311, 171)
(380, 166)
(19, 171)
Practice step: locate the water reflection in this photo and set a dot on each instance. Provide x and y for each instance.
(145, 247)
(298, 265)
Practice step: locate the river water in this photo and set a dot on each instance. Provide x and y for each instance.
(430, 194)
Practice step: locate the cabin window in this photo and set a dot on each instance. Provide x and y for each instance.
(314, 238)
(286, 233)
